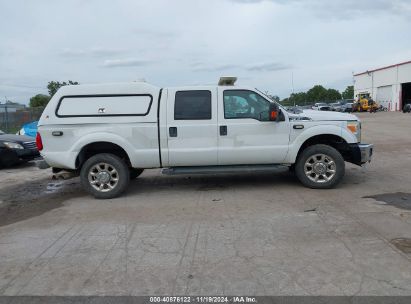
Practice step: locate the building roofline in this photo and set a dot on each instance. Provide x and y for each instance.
(383, 68)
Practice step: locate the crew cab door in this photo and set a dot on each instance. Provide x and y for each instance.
(246, 136)
(192, 127)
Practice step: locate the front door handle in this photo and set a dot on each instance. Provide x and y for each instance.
(172, 131)
(223, 130)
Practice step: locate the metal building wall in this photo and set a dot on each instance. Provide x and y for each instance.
(378, 84)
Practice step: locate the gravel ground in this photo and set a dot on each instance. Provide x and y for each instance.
(254, 234)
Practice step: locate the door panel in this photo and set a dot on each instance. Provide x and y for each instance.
(192, 127)
(249, 140)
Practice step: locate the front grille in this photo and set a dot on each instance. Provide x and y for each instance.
(30, 145)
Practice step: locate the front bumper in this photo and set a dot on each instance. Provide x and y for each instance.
(27, 154)
(361, 153)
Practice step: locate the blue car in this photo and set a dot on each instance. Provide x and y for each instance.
(29, 129)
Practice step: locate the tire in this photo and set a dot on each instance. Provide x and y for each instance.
(114, 176)
(134, 173)
(328, 160)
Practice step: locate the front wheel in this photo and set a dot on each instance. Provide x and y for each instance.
(320, 167)
(105, 176)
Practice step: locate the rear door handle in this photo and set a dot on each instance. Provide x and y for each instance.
(57, 133)
(223, 130)
(172, 131)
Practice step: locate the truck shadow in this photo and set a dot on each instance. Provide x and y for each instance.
(210, 182)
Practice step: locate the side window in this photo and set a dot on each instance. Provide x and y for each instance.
(192, 105)
(245, 104)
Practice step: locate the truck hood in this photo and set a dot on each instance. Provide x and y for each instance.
(322, 116)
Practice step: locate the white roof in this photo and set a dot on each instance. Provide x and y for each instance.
(109, 88)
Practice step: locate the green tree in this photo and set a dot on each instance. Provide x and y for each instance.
(333, 94)
(274, 97)
(40, 100)
(299, 98)
(53, 86)
(348, 92)
(317, 93)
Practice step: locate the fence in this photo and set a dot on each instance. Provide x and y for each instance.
(12, 119)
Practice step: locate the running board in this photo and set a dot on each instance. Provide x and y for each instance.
(221, 169)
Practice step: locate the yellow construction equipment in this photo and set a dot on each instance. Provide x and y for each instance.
(365, 103)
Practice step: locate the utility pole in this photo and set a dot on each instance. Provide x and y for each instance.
(6, 115)
(292, 84)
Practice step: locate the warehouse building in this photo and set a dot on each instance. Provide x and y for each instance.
(390, 86)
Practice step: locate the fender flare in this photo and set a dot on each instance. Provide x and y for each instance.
(336, 130)
(97, 137)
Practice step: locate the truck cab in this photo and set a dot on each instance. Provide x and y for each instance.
(110, 133)
(221, 125)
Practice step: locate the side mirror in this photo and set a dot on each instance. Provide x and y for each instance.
(274, 112)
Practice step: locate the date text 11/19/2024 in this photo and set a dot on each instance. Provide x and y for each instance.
(202, 299)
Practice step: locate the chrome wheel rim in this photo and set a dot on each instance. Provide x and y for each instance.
(320, 168)
(103, 177)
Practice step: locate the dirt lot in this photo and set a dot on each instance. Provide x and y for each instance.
(254, 234)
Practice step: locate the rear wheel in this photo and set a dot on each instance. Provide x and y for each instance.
(105, 176)
(320, 167)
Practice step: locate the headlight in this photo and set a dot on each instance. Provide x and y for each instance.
(12, 145)
(355, 127)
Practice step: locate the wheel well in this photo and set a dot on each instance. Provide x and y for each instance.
(101, 147)
(334, 141)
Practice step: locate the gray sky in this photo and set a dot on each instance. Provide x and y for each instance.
(184, 42)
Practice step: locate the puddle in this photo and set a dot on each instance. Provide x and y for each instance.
(24, 201)
(53, 187)
(402, 244)
(398, 199)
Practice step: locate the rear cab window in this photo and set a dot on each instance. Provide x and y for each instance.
(192, 105)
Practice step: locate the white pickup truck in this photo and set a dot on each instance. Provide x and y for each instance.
(108, 134)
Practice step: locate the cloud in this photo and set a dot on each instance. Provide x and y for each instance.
(260, 67)
(344, 8)
(180, 42)
(208, 68)
(269, 67)
(126, 62)
(150, 33)
(92, 52)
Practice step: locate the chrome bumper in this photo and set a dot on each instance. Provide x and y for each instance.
(359, 154)
(366, 152)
